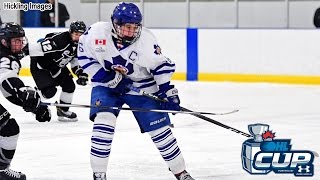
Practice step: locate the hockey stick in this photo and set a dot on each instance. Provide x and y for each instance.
(131, 109)
(139, 91)
(182, 109)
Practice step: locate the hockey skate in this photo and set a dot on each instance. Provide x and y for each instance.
(184, 176)
(9, 174)
(99, 176)
(66, 116)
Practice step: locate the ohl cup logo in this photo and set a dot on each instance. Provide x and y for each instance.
(264, 154)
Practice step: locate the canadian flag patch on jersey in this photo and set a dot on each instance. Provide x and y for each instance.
(101, 41)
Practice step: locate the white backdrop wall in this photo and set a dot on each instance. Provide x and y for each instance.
(283, 52)
(250, 51)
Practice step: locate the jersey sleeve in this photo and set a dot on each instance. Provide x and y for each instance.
(75, 66)
(8, 68)
(91, 61)
(159, 65)
(43, 46)
(10, 83)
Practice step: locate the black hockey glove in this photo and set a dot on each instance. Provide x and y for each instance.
(43, 114)
(30, 99)
(169, 93)
(82, 79)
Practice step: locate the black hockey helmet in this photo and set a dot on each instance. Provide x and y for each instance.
(10, 30)
(77, 26)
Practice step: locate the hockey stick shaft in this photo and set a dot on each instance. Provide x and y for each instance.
(137, 90)
(218, 123)
(200, 115)
(194, 114)
(126, 109)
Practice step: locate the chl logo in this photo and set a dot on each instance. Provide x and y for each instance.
(264, 154)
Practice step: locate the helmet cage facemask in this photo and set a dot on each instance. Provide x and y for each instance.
(120, 33)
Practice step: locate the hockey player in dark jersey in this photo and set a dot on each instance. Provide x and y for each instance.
(48, 67)
(12, 43)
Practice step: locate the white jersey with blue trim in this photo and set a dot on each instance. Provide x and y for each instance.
(142, 61)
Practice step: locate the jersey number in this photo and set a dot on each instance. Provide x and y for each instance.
(6, 63)
(46, 46)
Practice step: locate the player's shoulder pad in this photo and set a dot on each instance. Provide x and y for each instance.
(55, 41)
(99, 28)
(50, 35)
(147, 36)
(57, 35)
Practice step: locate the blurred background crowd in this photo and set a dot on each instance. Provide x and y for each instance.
(279, 14)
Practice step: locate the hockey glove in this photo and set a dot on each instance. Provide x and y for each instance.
(82, 79)
(118, 83)
(43, 114)
(170, 94)
(30, 99)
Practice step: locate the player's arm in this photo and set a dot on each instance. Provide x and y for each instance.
(162, 74)
(78, 71)
(18, 93)
(162, 69)
(75, 66)
(159, 65)
(91, 63)
(40, 51)
(88, 62)
(9, 81)
(13, 88)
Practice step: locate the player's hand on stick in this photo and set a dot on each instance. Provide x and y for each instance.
(30, 99)
(170, 94)
(43, 113)
(82, 79)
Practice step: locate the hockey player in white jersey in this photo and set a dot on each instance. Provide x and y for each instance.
(119, 54)
(12, 45)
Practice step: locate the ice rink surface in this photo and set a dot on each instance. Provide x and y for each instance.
(60, 151)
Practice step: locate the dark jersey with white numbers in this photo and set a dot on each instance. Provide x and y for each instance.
(58, 50)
